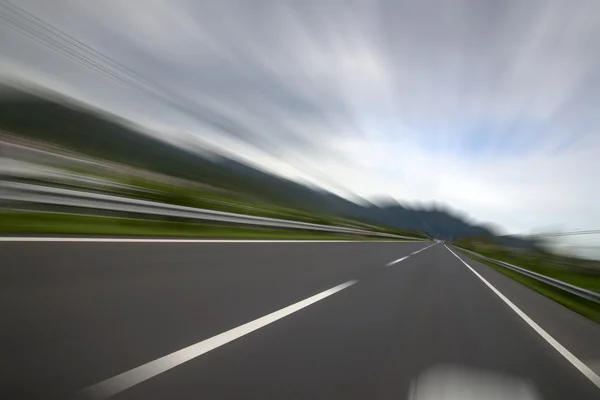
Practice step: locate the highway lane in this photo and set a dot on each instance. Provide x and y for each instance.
(76, 313)
(373, 339)
(577, 333)
(81, 313)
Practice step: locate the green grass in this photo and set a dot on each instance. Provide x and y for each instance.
(582, 306)
(544, 264)
(234, 203)
(201, 197)
(195, 197)
(37, 222)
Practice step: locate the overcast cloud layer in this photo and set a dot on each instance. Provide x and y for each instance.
(490, 106)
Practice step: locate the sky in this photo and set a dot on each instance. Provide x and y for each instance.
(489, 107)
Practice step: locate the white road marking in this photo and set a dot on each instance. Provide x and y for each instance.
(142, 240)
(121, 382)
(397, 261)
(577, 363)
(420, 250)
(594, 365)
(404, 258)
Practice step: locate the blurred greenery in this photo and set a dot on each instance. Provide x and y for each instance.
(41, 116)
(578, 272)
(195, 197)
(582, 306)
(29, 222)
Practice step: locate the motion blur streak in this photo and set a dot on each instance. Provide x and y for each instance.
(448, 382)
(172, 169)
(485, 106)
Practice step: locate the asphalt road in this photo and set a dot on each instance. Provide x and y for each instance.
(213, 321)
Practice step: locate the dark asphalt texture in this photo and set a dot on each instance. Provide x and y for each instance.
(74, 314)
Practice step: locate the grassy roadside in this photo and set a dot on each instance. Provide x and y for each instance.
(544, 264)
(211, 201)
(584, 307)
(197, 197)
(37, 222)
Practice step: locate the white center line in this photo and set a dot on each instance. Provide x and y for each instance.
(397, 261)
(577, 363)
(405, 257)
(594, 365)
(423, 249)
(121, 382)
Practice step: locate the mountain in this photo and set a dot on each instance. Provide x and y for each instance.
(61, 121)
(55, 119)
(438, 223)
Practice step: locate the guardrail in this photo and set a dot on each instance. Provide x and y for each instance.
(36, 194)
(567, 287)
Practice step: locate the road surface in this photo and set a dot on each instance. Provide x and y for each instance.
(278, 320)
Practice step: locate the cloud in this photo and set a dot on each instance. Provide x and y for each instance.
(487, 106)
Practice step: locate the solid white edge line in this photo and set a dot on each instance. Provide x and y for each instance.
(577, 363)
(141, 240)
(121, 382)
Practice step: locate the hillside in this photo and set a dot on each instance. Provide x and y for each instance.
(61, 121)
